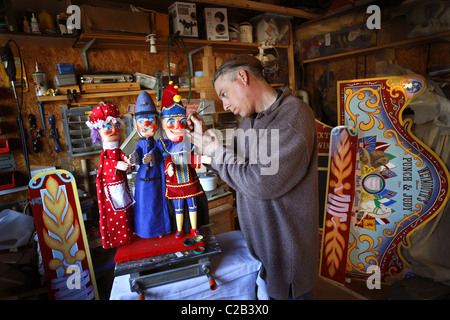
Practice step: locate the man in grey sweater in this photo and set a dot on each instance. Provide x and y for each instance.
(274, 172)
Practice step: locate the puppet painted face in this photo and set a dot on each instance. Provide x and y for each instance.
(110, 132)
(146, 126)
(174, 128)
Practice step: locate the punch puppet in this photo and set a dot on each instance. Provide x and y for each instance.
(182, 183)
(151, 215)
(114, 198)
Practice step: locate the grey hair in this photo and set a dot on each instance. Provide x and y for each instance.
(248, 63)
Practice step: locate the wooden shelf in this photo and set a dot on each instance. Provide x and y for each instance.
(38, 40)
(133, 42)
(86, 96)
(125, 93)
(399, 44)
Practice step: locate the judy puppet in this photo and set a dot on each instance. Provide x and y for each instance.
(114, 198)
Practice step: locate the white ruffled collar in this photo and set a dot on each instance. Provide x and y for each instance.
(111, 145)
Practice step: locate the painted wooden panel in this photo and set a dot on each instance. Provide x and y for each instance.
(62, 237)
(400, 183)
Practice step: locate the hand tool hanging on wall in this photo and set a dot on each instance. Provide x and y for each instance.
(40, 106)
(34, 132)
(158, 85)
(10, 68)
(53, 132)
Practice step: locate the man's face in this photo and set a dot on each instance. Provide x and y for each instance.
(174, 128)
(234, 95)
(110, 132)
(146, 126)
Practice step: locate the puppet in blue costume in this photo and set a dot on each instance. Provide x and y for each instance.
(151, 216)
(182, 183)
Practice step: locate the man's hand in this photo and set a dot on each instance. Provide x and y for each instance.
(205, 160)
(205, 141)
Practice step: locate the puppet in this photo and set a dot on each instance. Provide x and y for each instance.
(182, 183)
(151, 215)
(114, 198)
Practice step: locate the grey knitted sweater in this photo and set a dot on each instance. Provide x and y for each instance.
(277, 206)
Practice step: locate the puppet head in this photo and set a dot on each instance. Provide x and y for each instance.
(145, 115)
(105, 123)
(173, 114)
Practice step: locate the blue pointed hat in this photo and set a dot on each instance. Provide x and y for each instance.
(144, 105)
(171, 103)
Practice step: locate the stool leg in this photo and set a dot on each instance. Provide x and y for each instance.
(212, 282)
(136, 286)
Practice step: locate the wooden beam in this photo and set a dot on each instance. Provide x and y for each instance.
(264, 7)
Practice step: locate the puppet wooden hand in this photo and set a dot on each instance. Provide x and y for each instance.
(131, 159)
(170, 170)
(149, 158)
(122, 165)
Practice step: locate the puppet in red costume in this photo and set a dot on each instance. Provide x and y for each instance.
(114, 198)
(182, 183)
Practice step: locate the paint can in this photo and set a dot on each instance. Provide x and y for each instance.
(233, 32)
(246, 32)
(40, 82)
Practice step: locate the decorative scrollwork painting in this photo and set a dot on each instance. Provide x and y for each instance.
(399, 183)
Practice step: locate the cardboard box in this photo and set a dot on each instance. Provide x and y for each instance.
(114, 20)
(160, 25)
(216, 24)
(183, 18)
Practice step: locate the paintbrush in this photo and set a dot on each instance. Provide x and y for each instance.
(198, 112)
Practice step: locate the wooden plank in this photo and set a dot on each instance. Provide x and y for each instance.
(128, 93)
(264, 7)
(291, 61)
(36, 40)
(127, 41)
(409, 42)
(103, 87)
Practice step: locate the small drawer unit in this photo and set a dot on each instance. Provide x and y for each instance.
(76, 132)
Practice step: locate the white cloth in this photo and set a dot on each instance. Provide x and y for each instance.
(110, 145)
(119, 196)
(234, 270)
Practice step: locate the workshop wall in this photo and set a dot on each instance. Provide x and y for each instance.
(127, 61)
